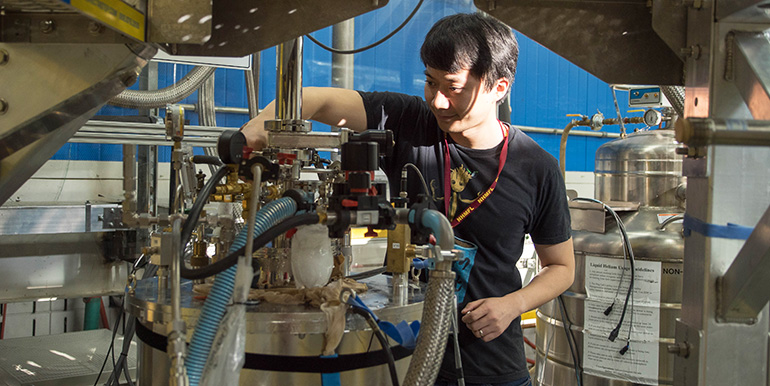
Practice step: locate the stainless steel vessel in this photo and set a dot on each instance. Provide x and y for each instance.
(282, 331)
(641, 178)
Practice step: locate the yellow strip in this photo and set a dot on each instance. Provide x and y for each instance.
(115, 14)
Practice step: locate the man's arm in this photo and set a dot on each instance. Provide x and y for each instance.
(493, 315)
(332, 106)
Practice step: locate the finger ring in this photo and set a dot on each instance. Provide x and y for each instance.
(481, 333)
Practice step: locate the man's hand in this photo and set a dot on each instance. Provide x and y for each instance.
(488, 318)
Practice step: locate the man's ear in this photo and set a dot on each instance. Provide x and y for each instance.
(501, 88)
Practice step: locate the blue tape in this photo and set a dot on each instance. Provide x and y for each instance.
(418, 263)
(330, 379)
(729, 231)
(404, 333)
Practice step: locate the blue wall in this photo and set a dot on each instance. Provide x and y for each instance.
(546, 89)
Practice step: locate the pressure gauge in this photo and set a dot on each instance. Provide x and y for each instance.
(652, 117)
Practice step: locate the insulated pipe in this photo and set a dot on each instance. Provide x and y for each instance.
(441, 227)
(214, 308)
(160, 98)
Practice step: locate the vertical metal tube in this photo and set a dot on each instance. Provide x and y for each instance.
(252, 85)
(400, 284)
(176, 260)
(343, 38)
(129, 180)
(342, 65)
(176, 339)
(289, 91)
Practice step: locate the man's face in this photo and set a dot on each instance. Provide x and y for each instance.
(459, 100)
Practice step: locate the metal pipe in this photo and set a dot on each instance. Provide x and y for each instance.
(218, 109)
(177, 342)
(343, 34)
(288, 96)
(579, 133)
(669, 220)
(711, 131)
(129, 185)
(563, 144)
(256, 191)
(252, 85)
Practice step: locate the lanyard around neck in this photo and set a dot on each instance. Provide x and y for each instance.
(482, 197)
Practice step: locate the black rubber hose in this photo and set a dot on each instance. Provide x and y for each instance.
(367, 274)
(259, 242)
(197, 208)
(206, 159)
(383, 342)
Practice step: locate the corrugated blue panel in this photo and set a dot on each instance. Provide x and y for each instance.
(546, 88)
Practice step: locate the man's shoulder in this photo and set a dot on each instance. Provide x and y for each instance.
(385, 98)
(529, 153)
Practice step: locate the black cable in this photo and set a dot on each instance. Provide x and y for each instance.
(128, 336)
(422, 178)
(259, 242)
(627, 249)
(206, 159)
(375, 44)
(197, 207)
(112, 345)
(367, 274)
(570, 339)
(383, 342)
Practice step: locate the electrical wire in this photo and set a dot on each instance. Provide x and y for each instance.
(197, 207)
(367, 274)
(627, 249)
(383, 342)
(259, 241)
(567, 324)
(129, 330)
(110, 350)
(419, 174)
(375, 44)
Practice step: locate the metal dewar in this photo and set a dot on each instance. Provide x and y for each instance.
(640, 177)
(279, 330)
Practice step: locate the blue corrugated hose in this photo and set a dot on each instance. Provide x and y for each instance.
(214, 308)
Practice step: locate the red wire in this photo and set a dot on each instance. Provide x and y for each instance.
(2, 328)
(529, 343)
(531, 361)
(103, 313)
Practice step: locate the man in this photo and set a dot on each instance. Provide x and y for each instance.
(497, 185)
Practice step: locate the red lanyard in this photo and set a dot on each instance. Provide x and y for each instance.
(482, 197)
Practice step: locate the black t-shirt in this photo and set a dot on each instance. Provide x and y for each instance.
(529, 198)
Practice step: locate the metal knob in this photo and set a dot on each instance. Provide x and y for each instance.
(681, 349)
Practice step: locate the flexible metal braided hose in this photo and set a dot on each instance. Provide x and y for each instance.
(675, 96)
(138, 99)
(431, 342)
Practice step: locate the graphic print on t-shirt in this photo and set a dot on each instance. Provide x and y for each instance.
(459, 178)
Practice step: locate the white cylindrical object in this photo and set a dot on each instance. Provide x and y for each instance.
(311, 256)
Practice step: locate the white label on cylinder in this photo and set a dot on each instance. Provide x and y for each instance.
(608, 279)
(396, 245)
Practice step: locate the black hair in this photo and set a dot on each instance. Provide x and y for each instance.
(475, 42)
